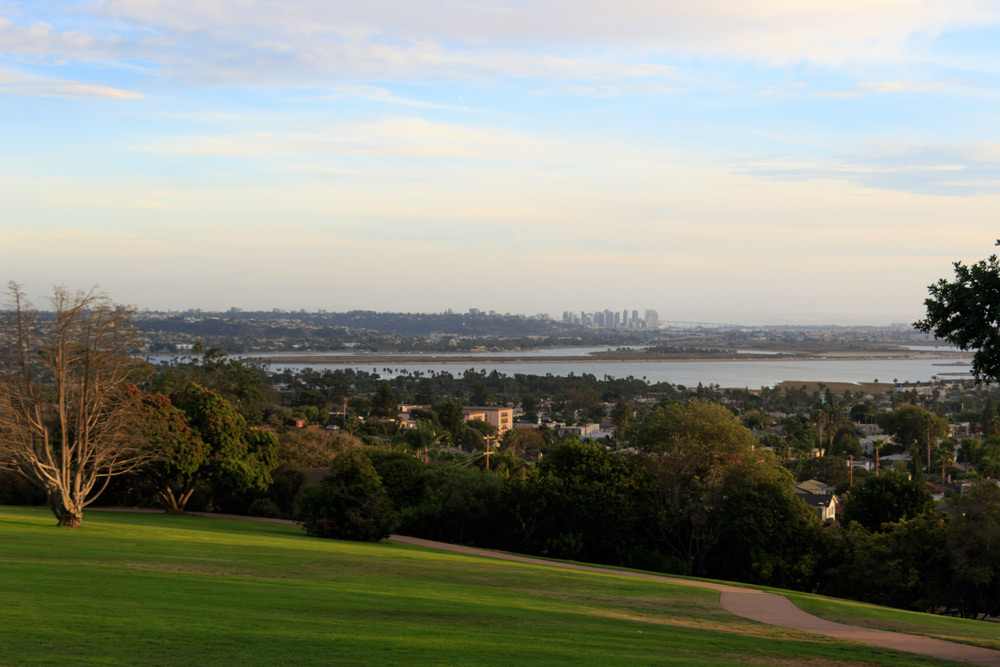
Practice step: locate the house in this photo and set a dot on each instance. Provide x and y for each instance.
(819, 496)
(405, 415)
(814, 486)
(501, 418)
(824, 503)
(581, 431)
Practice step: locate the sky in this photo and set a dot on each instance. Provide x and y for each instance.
(776, 161)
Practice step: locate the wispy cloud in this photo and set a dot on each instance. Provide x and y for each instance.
(381, 95)
(612, 90)
(771, 30)
(305, 43)
(957, 169)
(886, 87)
(16, 83)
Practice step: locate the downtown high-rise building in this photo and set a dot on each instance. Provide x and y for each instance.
(618, 319)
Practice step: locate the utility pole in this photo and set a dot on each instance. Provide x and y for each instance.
(487, 451)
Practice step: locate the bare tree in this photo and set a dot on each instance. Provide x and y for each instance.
(67, 399)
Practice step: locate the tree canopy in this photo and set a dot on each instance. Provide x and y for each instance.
(914, 429)
(218, 445)
(878, 501)
(384, 402)
(966, 312)
(349, 504)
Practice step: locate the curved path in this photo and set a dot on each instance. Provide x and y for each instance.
(746, 602)
(765, 608)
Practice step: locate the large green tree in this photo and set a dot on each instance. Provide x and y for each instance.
(384, 403)
(349, 504)
(766, 534)
(914, 429)
(181, 449)
(966, 312)
(975, 547)
(220, 447)
(888, 498)
(586, 503)
(696, 452)
(696, 433)
(906, 564)
(239, 381)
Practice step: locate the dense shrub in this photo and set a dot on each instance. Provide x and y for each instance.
(585, 502)
(264, 507)
(287, 481)
(460, 505)
(765, 534)
(403, 475)
(905, 564)
(350, 503)
(891, 497)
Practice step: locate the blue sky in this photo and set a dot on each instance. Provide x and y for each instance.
(774, 161)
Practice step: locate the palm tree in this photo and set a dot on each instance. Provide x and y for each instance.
(820, 421)
(928, 423)
(945, 455)
(423, 437)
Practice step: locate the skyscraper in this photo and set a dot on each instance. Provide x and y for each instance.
(652, 319)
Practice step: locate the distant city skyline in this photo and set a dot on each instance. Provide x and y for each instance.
(718, 161)
(650, 317)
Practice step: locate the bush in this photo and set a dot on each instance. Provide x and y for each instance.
(264, 507)
(462, 506)
(287, 480)
(349, 504)
(892, 497)
(403, 475)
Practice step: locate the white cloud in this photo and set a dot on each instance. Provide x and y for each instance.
(17, 83)
(67, 89)
(962, 169)
(611, 90)
(769, 30)
(886, 87)
(385, 96)
(308, 43)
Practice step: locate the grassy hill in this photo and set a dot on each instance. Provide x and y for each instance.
(163, 590)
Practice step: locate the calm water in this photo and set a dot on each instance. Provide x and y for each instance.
(750, 374)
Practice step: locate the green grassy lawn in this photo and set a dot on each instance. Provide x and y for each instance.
(152, 589)
(979, 633)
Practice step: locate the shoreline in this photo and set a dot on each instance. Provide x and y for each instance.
(952, 359)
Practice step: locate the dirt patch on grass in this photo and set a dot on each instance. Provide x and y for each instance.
(724, 623)
(800, 662)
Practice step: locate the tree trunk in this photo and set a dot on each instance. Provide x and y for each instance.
(71, 519)
(67, 515)
(176, 503)
(167, 497)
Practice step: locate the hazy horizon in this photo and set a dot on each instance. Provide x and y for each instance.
(717, 162)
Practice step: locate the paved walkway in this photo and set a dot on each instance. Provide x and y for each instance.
(746, 602)
(766, 608)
